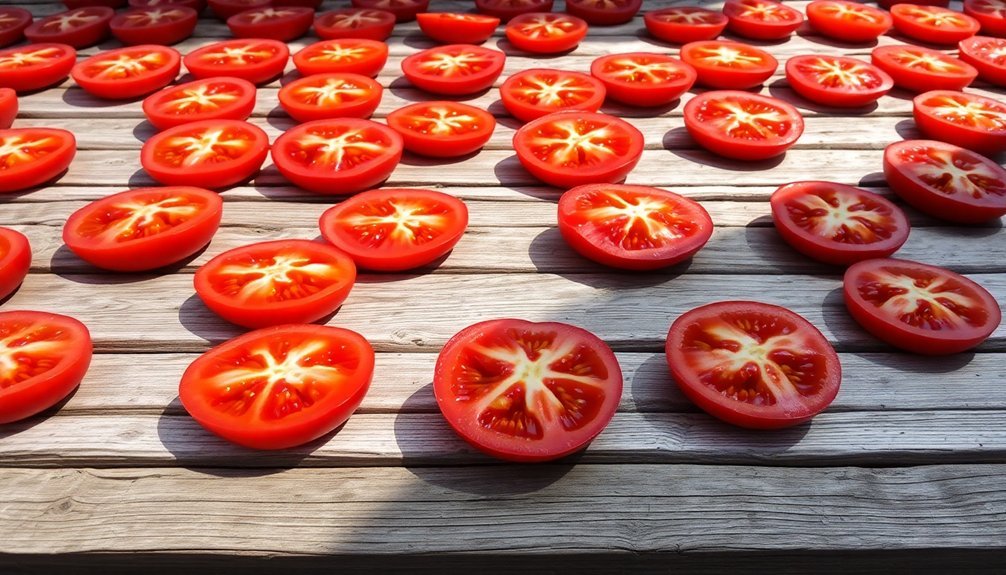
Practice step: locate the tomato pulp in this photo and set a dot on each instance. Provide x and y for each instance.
(210, 153)
(15, 260)
(33, 156)
(442, 129)
(742, 125)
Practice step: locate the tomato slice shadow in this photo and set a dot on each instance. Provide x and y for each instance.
(781, 90)
(808, 32)
(700, 156)
(68, 265)
(16, 427)
(504, 45)
(200, 321)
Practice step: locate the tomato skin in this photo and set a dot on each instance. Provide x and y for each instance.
(871, 25)
(81, 36)
(156, 107)
(782, 26)
(526, 109)
(129, 87)
(451, 85)
(202, 174)
(575, 30)
(644, 94)
(990, 16)
(418, 141)
(15, 260)
(684, 32)
(916, 79)
(588, 10)
(840, 96)
(39, 170)
(889, 3)
(457, 28)
(907, 20)
(985, 140)
(404, 10)
(289, 23)
(197, 5)
(741, 148)
(506, 10)
(59, 60)
(202, 63)
(8, 107)
(12, 31)
(713, 75)
(302, 111)
(308, 60)
(224, 9)
(378, 27)
(164, 33)
(982, 52)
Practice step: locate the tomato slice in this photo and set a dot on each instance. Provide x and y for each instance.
(128, 72)
(933, 24)
(455, 69)
(154, 25)
(224, 9)
(456, 27)
(337, 156)
(43, 357)
(761, 19)
(987, 55)
(888, 4)
(848, 21)
(78, 28)
(276, 282)
(354, 23)
(965, 120)
(531, 94)
(729, 65)
(404, 10)
(13, 21)
(442, 129)
(643, 78)
(15, 260)
(30, 157)
(545, 33)
(753, 364)
(684, 24)
(257, 61)
(837, 80)
(526, 391)
(604, 12)
(920, 69)
(991, 14)
(919, 308)
(211, 153)
(395, 229)
(742, 125)
(209, 99)
(568, 149)
(279, 387)
(36, 66)
(506, 10)
(73, 4)
(8, 107)
(632, 227)
(323, 96)
(342, 56)
(283, 24)
(946, 181)
(197, 5)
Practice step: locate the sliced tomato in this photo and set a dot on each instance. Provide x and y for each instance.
(742, 125)
(342, 56)
(197, 5)
(684, 24)
(442, 129)
(210, 99)
(643, 78)
(224, 9)
(354, 23)
(279, 387)
(13, 21)
(154, 25)
(920, 69)
(988, 56)
(338, 156)
(991, 14)
(323, 96)
(604, 12)
(848, 21)
(78, 28)
(946, 181)
(531, 94)
(276, 282)
(15, 260)
(933, 24)
(394, 229)
(729, 65)
(37, 66)
(128, 72)
(8, 107)
(312, 4)
(632, 227)
(967, 120)
(73, 4)
(753, 364)
(404, 10)
(761, 19)
(457, 27)
(43, 357)
(30, 157)
(210, 154)
(837, 80)
(257, 61)
(455, 69)
(283, 24)
(506, 10)
(526, 391)
(545, 33)
(888, 4)
(919, 308)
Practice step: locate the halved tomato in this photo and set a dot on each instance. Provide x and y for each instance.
(404, 10)
(442, 129)
(887, 4)
(73, 4)
(8, 107)
(13, 21)
(456, 27)
(632, 227)
(197, 5)
(991, 14)
(276, 282)
(604, 12)
(257, 61)
(545, 33)
(742, 125)
(279, 387)
(848, 21)
(987, 55)
(753, 364)
(531, 94)
(210, 99)
(15, 260)
(33, 156)
(210, 154)
(354, 23)
(920, 69)
(729, 65)
(919, 308)
(946, 181)
(684, 24)
(224, 9)
(283, 24)
(337, 156)
(43, 357)
(78, 28)
(455, 69)
(526, 391)
(128, 72)
(154, 25)
(37, 66)
(323, 96)
(837, 80)
(343, 56)
(312, 4)
(933, 24)
(965, 120)
(506, 10)
(394, 229)
(761, 19)
(643, 78)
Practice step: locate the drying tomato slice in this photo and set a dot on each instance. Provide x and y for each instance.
(73, 4)
(276, 282)
(8, 107)
(323, 96)
(13, 21)
(506, 10)
(343, 56)
(604, 12)
(210, 99)
(43, 357)
(15, 260)
(354, 23)
(283, 24)
(933, 24)
(395, 229)
(404, 10)
(848, 21)
(36, 66)
(643, 78)
(456, 27)
(211, 153)
(526, 391)
(920, 69)
(987, 55)
(442, 129)
(145, 228)
(990, 14)
(533, 93)
(154, 25)
(455, 69)
(30, 157)
(337, 156)
(279, 387)
(919, 308)
(224, 9)
(545, 33)
(946, 181)
(888, 4)
(965, 120)
(684, 24)
(753, 364)
(632, 227)
(79, 28)
(128, 72)
(729, 65)
(197, 5)
(257, 61)
(761, 19)
(742, 125)
(837, 80)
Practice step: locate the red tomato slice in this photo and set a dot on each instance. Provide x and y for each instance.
(277, 282)
(79, 28)
(283, 24)
(965, 120)
(279, 387)
(154, 25)
(393, 230)
(933, 24)
(74, 4)
(354, 23)
(211, 153)
(684, 24)
(742, 125)
(13, 21)
(404, 10)
(533, 93)
(324, 96)
(128, 72)
(920, 308)
(604, 12)
(729, 65)
(43, 357)
(197, 5)
(455, 69)
(761, 19)
(642, 78)
(338, 156)
(946, 181)
(312, 4)
(457, 28)
(526, 391)
(30, 157)
(568, 149)
(15, 260)
(920, 69)
(991, 14)
(848, 21)
(345, 56)
(545, 33)
(632, 227)
(224, 9)
(837, 81)
(209, 99)
(988, 56)
(8, 107)
(257, 61)
(442, 129)
(506, 10)
(753, 364)
(37, 66)
(888, 4)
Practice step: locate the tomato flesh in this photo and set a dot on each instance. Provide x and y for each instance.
(506, 10)
(761, 19)
(442, 129)
(15, 260)
(643, 79)
(545, 33)
(257, 61)
(919, 69)
(211, 153)
(965, 120)
(210, 99)
(33, 156)
(533, 93)
(355, 23)
(404, 10)
(323, 96)
(8, 107)
(729, 65)
(837, 81)
(848, 21)
(457, 28)
(988, 56)
(168, 25)
(604, 12)
(282, 24)
(36, 66)
(455, 69)
(128, 73)
(933, 24)
(742, 125)
(342, 56)
(13, 21)
(684, 24)
(224, 9)
(991, 14)
(79, 28)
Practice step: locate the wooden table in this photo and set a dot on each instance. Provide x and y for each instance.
(906, 469)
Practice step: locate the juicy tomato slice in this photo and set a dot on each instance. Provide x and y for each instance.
(604, 12)
(946, 181)
(404, 10)
(43, 357)
(837, 80)
(919, 308)
(257, 61)
(355, 23)
(279, 387)
(684, 24)
(632, 227)
(455, 69)
(967, 120)
(442, 129)
(642, 78)
(457, 27)
(145, 228)
(933, 24)
(210, 99)
(211, 153)
(36, 66)
(545, 33)
(197, 5)
(761, 19)
(742, 125)
(729, 65)
(991, 14)
(506, 10)
(568, 149)
(73, 4)
(167, 25)
(920, 69)
(283, 24)
(987, 55)
(13, 21)
(224, 9)
(525, 391)
(78, 28)
(753, 364)
(395, 229)
(888, 4)
(33, 156)
(15, 260)
(838, 224)
(8, 107)
(337, 156)
(128, 72)
(848, 21)
(531, 94)
(323, 96)
(342, 56)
